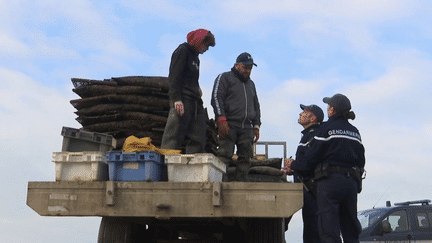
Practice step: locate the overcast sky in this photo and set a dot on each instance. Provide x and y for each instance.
(378, 53)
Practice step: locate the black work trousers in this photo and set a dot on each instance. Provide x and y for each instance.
(310, 218)
(240, 137)
(243, 139)
(337, 209)
(191, 126)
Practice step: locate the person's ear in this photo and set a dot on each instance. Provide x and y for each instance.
(331, 110)
(313, 118)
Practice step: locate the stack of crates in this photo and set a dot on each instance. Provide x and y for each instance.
(88, 156)
(83, 156)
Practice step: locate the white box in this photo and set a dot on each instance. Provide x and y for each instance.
(80, 166)
(203, 167)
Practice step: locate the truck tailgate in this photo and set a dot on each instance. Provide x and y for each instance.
(165, 199)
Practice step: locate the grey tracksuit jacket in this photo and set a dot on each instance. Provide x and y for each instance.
(235, 98)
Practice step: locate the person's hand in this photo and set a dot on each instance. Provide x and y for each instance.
(287, 166)
(223, 128)
(256, 134)
(179, 107)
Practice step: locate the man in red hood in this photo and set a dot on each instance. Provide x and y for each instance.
(186, 119)
(200, 40)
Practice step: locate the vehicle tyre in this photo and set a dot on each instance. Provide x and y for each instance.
(234, 235)
(265, 230)
(118, 230)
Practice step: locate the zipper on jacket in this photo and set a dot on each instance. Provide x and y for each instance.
(244, 120)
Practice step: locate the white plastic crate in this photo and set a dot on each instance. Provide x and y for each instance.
(203, 167)
(80, 166)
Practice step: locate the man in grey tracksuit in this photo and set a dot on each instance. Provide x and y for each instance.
(237, 111)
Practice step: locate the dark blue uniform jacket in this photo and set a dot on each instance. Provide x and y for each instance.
(337, 143)
(307, 136)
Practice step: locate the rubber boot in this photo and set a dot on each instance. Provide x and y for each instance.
(242, 169)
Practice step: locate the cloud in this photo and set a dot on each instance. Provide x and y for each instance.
(395, 82)
(66, 30)
(428, 130)
(280, 109)
(282, 103)
(169, 42)
(164, 9)
(9, 45)
(194, 14)
(365, 11)
(93, 25)
(402, 90)
(31, 115)
(348, 25)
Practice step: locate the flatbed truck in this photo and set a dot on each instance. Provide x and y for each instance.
(165, 212)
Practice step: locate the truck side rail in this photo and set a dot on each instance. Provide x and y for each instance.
(266, 146)
(165, 199)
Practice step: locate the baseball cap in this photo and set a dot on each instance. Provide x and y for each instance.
(318, 112)
(339, 101)
(245, 58)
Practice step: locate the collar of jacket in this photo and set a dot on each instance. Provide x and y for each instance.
(336, 116)
(191, 48)
(312, 128)
(238, 75)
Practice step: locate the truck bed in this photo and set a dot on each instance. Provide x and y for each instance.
(165, 199)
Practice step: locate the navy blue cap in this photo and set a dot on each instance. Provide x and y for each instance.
(245, 58)
(318, 112)
(339, 101)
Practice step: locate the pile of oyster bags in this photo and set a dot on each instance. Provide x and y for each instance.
(139, 106)
(125, 106)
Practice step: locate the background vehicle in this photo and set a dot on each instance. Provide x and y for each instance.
(406, 221)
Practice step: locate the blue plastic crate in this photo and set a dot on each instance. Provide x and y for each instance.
(135, 166)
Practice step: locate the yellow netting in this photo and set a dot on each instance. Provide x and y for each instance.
(134, 144)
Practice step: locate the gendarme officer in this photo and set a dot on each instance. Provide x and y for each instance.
(310, 118)
(337, 155)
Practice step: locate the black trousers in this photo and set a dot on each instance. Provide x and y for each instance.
(240, 137)
(310, 218)
(243, 139)
(337, 209)
(191, 125)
